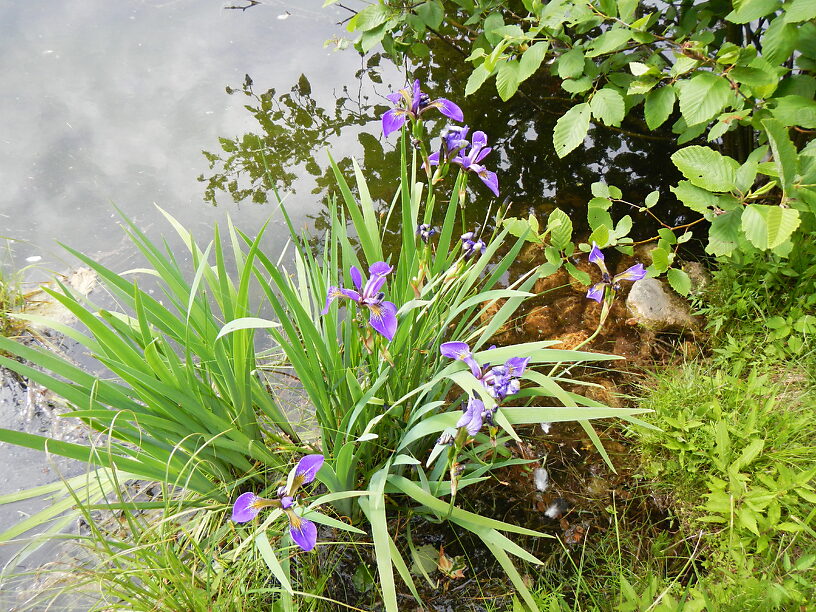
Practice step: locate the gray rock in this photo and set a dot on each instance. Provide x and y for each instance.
(656, 307)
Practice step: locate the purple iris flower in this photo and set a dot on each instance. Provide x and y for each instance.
(500, 381)
(474, 415)
(454, 139)
(471, 247)
(454, 150)
(425, 231)
(383, 314)
(303, 531)
(411, 104)
(596, 291)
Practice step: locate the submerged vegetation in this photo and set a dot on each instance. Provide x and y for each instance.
(332, 427)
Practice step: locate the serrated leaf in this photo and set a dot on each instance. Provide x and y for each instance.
(800, 10)
(507, 79)
(369, 18)
(784, 153)
(560, 226)
(531, 60)
(706, 168)
(431, 13)
(579, 275)
(751, 10)
(679, 281)
(571, 129)
(779, 40)
(755, 77)
(609, 41)
(660, 259)
(577, 85)
(600, 235)
(571, 64)
(638, 68)
(795, 110)
(477, 79)
(608, 106)
(492, 22)
(766, 227)
(723, 235)
(703, 97)
(658, 106)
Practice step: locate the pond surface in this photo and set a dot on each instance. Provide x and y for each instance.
(115, 102)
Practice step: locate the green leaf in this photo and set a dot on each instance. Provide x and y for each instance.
(755, 77)
(579, 275)
(800, 10)
(507, 79)
(571, 129)
(608, 106)
(571, 64)
(779, 40)
(492, 22)
(795, 110)
(531, 60)
(268, 554)
(784, 152)
(651, 199)
(609, 41)
(600, 235)
(658, 106)
(431, 13)
(723, 235)
(706, 168)
(560, 226)
(476, 79)
(703, 97)
(246, 323)
(751, 10)
(577, 85)
(679, 281)
(370, 17)
(697, 199)
(769, 226)
(660, 259)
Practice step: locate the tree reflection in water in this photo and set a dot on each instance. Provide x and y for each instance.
(294, 130)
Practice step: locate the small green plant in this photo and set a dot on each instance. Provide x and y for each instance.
(738, 454)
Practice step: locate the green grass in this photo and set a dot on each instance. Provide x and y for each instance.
(12, 300)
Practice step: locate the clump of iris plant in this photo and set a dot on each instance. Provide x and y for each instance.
(609, 285)
(383, 314)
(303, 531)
(410, 104)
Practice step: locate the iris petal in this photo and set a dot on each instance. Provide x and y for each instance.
(448, 108)
(356, 277)
(455, 350)
(392, 120)
(384, 319)
(491, 180)
(597, 257)
(596, 292)
(304, 534)
(308, 467)
(635, 273)
(244, 508)
(380, 268)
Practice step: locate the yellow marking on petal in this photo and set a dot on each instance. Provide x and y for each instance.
(376, 310)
